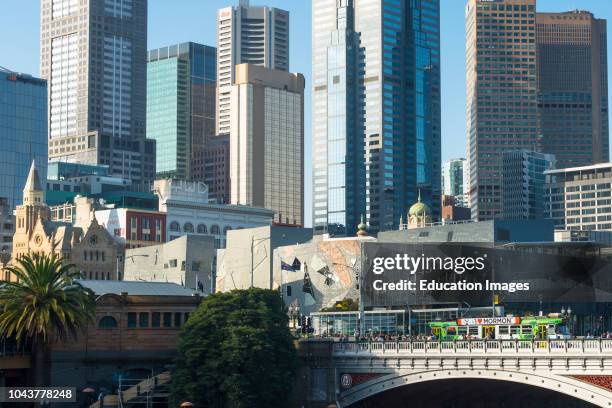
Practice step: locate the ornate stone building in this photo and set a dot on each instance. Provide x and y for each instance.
(88, 246)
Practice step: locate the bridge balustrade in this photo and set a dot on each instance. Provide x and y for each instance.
(477, 346)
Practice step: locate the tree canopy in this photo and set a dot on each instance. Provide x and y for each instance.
(236, 351)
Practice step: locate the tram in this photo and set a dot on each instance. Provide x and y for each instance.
(509, 327)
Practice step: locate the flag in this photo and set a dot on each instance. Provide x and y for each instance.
(286, 267)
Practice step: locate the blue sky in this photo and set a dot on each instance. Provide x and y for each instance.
(173, 21)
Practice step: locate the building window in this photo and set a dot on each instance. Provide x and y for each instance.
(131, 321)
(133, 223)
(215, 230)
(202, 229)
(195, 266)
(186, 317)
(173, 263)
(155, 319)
(178, 319)
(174, 226)
(188, 227)
(167, 319)
(158, 230)
(288, 290)
(107, 322)
(143, 319)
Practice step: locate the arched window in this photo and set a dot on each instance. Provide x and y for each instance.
(227, 228)
(202, 229)
(107, 322)
(188, 227)
(174, 226)
(215, 230)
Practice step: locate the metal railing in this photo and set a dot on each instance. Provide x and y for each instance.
(476, 346)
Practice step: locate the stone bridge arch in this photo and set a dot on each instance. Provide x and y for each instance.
(575, 386)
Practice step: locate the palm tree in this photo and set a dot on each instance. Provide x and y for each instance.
(44, 303)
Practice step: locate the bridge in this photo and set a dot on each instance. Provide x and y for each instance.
(348, 373)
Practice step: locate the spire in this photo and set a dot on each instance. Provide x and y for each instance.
(33, 181)
(362, 228)
(419, 195)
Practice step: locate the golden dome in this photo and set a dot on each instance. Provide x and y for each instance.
(419, 209)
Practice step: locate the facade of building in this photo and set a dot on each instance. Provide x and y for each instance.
(133, 227)
(189, 211)
(456, 181)
(267, 142)
(501, 94)
(135, 334)
(376, 111)
(86, 244)
(452, 211)
(93, 55)
(256, 35)
(214, 166)
(181, 95)
(188, 261)
(23, 132)
(249, 259)
(523, 183)
(573, 87)
(579, 198)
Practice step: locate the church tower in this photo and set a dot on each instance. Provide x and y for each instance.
(29, 213)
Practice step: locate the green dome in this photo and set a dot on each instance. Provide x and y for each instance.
(419, 209)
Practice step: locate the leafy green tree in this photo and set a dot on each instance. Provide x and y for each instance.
(44, 303)
(236, 351)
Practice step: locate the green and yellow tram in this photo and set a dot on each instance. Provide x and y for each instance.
(509, 327)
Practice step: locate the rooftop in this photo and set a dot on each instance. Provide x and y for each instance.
(136, 288)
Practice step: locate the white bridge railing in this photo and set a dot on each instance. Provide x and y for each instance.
(475, 346)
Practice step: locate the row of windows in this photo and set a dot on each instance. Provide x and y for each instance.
(147, 320)
(201, 229)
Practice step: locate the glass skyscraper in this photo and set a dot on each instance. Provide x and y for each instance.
(376, 111)
(181, 93)
(23, 132)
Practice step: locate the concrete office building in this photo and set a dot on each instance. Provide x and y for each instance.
(181, 95)
(501, 94)
(190, 211)
(248, 258)
(573, 87)
(523, 183)
(214, 165)
(376, 111)
(267, 142)
(456, 181)
(579, 198)
(257, 35)
(187, 261)
(93, 54)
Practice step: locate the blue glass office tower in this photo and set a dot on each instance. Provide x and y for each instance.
(376, 111)
(181, 95)
(23, 132)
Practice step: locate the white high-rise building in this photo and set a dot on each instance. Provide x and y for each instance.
(257, 35)
(456, 181)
